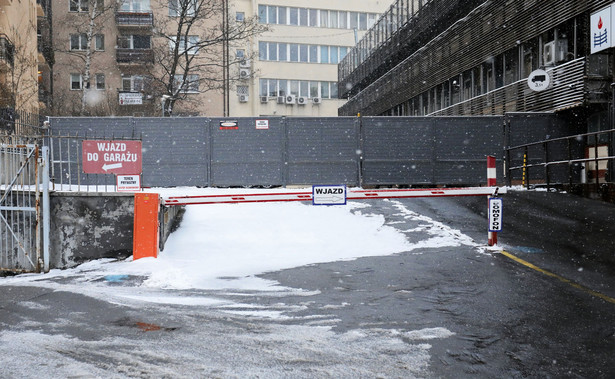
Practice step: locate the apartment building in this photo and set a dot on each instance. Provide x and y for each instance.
(117, 59)
(19, 59)
(291, 69)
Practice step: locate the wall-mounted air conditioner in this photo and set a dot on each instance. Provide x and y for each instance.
(302, 100)
(316, 100)
(548, 53)
(244, 98)
(245, 63)
(244, 73)
(291, 99)
(281, 100)
(264, 99)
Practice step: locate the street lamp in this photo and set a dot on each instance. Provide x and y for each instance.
(163, 100)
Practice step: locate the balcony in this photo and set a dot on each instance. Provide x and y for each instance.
(7, 50)
(134, 56)
(134, 19)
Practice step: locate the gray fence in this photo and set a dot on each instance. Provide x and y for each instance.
(298, 151)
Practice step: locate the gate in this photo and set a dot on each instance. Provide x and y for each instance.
(24, 204)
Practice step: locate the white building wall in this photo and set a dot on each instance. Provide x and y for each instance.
(316, 38)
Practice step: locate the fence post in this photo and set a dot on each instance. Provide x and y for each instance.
(492, 237)
(46, 207)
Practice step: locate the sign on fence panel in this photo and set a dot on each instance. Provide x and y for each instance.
(111, 157)
(495, 214)
(128, 183)
(329, 195)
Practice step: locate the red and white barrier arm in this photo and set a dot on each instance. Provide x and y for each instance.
(307, 196)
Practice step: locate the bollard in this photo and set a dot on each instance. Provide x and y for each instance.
(145, 232)
(492, 237)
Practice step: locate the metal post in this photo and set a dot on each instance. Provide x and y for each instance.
(492, 237)
(46, 207)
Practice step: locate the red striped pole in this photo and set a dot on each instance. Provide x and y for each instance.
(492, 237)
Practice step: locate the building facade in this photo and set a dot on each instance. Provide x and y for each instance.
(474, 57)
(291, 69)
(125, 59)
(19, 58)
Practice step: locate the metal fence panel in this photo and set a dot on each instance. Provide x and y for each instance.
(397, 150)
(323, 150)
(246, 155)
(175, 151)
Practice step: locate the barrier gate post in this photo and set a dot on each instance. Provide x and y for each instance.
(492, 237)
(145, 232)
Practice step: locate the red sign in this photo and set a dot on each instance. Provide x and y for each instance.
(111, 157)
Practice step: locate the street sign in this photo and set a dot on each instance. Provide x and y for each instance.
(329, 195)
(111, 157)
(262, 124)
(128, 183)
(539, 80)
(495, 214)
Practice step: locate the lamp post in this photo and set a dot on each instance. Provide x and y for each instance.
(163, 100)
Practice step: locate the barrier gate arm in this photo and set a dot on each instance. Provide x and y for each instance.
(145, 241)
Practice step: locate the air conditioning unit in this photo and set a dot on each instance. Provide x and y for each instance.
(291, 99)
(244, 73)
(302, 100)
(244, 98)
(281, 100)
(316, 100)
(245, 63)
(548, 53)
(264, 99)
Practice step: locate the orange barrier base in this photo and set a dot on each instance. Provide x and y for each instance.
(145, 233)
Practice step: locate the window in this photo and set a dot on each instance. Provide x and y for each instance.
(282, 15)
(293, 16)
(177, 7)
(99, 42)
(262, 51)
(78, 41)
(343, 24)
(313, 17)
(100, 81)
(324, 19)
(190, 47)
(76, 82)
(303, 17)
(272, 14)
(363, 21)
(303, 53)
(333, 15)
(240, 16)
(138, 5)
(78, 5)
(333, 90)
(240, 54)
(282, 52)
(188, 85)
(262, 14)
(134, 41)
(314, 89)
(304, 88)
(313, 53)
(242, 90)
(334, 54)
(134, 83)
(273, 52)
(324, 90)
(354, 23)
(324, 54)
(294, 52)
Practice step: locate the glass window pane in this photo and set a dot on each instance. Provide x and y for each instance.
(282, 53)
(354, 24)
(303, 17)
(262, 51)
(314, 53)
(273, 87)
(282, 86)
(343, 20)
(304, 88)
(293, 16)
(273, 51)
(313, 89)
(324, 90)
(333, 15)
(294, 87)
(272, 14)
(333, 52)
(303, 53)
(333, 90)
(343, 52)
(324, 18)
(363, 21)
(294, 52)
(262, 14)
(263, 87)
(313, 13)
(282, 15)
(324, 54)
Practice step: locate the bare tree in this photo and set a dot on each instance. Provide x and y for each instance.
(89, 22)
(20, 88)
(189, 54)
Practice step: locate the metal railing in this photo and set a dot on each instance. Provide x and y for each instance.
(585, 153)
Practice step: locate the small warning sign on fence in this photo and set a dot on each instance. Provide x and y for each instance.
(128, 183)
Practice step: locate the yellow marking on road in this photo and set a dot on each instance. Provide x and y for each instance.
(560, 278)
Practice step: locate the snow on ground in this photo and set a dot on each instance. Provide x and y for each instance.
(217, 254)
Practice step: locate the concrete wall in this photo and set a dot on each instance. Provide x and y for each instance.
(88, 226)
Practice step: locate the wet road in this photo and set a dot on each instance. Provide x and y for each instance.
(548, 314)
